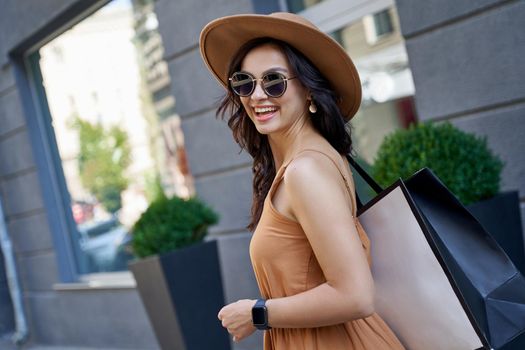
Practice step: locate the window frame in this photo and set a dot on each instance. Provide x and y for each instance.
(56, 198)
(331, 15)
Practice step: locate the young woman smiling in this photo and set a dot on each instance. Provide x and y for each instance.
(290, 91)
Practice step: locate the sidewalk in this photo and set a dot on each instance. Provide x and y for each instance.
(6, 344)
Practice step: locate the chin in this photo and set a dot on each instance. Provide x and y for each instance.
(264, 131)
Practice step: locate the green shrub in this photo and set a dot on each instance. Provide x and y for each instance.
(462, 161)
(171, 223)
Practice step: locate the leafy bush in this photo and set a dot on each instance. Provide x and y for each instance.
(462, 161)
(171, 223)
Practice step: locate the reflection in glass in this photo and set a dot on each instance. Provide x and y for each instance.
(378, 51)
(382, 23)
(296, 6)
(113, 117)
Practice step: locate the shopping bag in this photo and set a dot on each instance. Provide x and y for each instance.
(442, 282)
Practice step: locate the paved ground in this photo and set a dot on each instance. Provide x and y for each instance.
(6, 344)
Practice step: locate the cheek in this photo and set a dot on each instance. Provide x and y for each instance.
(245, 103)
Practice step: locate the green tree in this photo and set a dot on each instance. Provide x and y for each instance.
(103, 159)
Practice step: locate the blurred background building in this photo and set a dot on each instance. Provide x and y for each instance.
(80, 78)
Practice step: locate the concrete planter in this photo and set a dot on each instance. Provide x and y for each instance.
(501, 217)
(182, 293)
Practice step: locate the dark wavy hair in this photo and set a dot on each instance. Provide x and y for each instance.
(328, 120)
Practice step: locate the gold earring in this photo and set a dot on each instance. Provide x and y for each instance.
(312, 108)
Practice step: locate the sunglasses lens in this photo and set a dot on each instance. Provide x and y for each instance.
(242, 84)
(274, 84)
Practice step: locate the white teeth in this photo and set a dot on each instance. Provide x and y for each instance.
(264, 109)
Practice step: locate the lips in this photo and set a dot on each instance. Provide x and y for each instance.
(263, 113)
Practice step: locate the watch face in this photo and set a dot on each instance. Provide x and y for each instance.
(258, 315)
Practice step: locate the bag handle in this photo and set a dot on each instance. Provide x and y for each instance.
(368, 179)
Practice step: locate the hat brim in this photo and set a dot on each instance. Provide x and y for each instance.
(223, 37)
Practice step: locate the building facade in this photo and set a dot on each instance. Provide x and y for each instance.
(420, 61)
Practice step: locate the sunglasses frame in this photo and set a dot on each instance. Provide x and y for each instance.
(255, 80)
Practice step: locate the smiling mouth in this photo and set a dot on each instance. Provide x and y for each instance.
(264, 112)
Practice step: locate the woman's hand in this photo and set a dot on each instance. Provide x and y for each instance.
(237, 318)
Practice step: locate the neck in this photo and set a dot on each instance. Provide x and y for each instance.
(286, 144)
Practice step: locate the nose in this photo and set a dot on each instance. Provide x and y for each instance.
(258, 92)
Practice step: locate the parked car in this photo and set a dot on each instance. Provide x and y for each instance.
(104, 246)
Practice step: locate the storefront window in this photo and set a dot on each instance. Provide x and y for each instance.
(377, 48)
(114, 121)
(299, 5)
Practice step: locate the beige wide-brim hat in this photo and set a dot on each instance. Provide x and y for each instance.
(222, 38)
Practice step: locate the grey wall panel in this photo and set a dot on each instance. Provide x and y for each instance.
(236, 268)
(505, 131)
(238, 279)
(22, 194)
(97, 319)
(210, 145)
(38, 272)
(471, 64)
(192, 85)
(15, 153)
(30, 233)
(11, 116)
(267, 6)
(418, 15)
(23, 18)
(230, 195)
(7, 79)
(180, 22)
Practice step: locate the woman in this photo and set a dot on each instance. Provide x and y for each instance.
(290, 91)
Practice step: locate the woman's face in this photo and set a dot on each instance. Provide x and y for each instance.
(273, 114)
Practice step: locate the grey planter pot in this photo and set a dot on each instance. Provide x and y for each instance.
(182, 294)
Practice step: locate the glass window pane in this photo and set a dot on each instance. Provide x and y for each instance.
(300, 5)
(113, 115)
(388, 88)
(383, 23)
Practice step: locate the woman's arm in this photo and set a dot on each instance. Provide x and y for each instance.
(319, 201)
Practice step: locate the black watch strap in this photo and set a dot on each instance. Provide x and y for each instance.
(260, 315)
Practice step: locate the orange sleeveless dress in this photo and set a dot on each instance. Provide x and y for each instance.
(285, 265)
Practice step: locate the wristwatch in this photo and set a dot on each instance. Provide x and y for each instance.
(260, 315)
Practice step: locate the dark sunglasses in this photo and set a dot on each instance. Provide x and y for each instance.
(273, 83)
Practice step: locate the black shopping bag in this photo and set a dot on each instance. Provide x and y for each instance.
(442, 282)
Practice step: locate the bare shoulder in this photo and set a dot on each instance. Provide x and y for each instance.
(310, 172)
